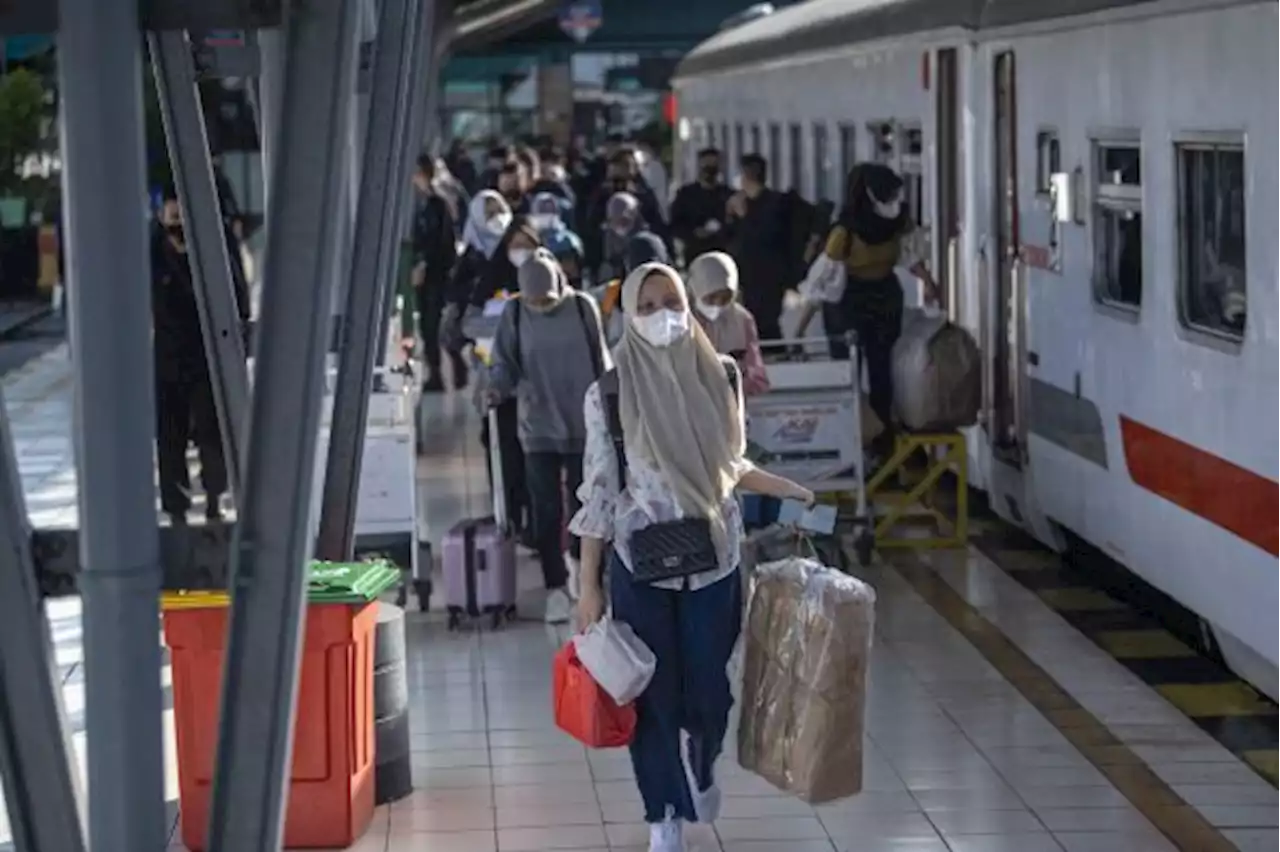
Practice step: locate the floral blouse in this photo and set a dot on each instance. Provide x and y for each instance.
(613, 515)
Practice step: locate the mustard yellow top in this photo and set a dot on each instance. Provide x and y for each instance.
(866, 262)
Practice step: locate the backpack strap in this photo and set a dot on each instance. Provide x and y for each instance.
(608, 384)
(593, 341)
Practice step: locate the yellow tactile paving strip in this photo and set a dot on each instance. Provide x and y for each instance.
(1155, 799)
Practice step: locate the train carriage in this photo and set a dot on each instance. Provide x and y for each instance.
(1098, 182)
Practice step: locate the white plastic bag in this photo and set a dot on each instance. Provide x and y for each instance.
(825, 281)
(615, 657)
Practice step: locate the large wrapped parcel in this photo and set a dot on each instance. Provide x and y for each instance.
(804, 684)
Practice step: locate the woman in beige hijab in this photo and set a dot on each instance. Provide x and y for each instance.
(665, 442)
(713, 283)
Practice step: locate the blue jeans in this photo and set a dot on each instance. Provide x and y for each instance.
(692, 634)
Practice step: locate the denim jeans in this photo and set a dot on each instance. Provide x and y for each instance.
(692, 634)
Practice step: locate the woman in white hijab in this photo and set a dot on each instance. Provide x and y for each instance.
(664, 453)
(713, 282)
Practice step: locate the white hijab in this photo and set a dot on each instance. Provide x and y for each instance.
(481, 234)
(678, 409)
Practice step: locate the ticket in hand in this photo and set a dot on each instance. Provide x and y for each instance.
(818, 519)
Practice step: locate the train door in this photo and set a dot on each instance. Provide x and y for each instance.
(947, 180)
(1006, 309)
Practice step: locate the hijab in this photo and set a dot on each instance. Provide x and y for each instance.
(644, 247)
(709, 274)
(872, 191)
(485, 235)
(541, 278)
(679, 411)
(622, 206)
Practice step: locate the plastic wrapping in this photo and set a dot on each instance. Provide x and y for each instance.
(808, 649)
(614, 655)
(937, 373)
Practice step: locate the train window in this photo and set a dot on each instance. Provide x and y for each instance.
(1048, 160)
(882, 136)
(821, 163)
(775, 150)
(796, 165)
(848, 153)
(1117, 224)
(711, 136)
(739, 141)
(911, 166)
(1211, 222)
(729, 154)
(755, 139)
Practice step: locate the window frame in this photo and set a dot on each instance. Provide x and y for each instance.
(911, 167)
(875, 136)
(1204, 142)
(820, 145)
(1115, 199)
(774, 155)
(848, 140)
(1045, 169)
(795, 158)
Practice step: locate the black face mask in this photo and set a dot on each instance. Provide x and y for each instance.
(176, 232)
(710, 173)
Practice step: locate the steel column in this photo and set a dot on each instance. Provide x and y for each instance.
(272, 539)
(382, 186)
(104, 199)
(211, 275)
(37, 760)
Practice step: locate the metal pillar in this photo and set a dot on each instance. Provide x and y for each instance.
(267, 95)
(211, 275)
(104, 196)
(260, 678)
(382, 186)
(37, 760)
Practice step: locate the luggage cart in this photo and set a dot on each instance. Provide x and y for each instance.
(808, 427)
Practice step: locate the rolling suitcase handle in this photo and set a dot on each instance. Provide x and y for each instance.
(496, 475)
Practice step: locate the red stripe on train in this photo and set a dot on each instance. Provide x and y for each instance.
(1236, 499)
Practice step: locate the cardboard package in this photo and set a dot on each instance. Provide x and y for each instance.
(804, 686)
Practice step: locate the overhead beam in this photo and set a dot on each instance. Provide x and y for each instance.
(30, 17)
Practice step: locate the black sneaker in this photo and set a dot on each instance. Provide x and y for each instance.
(433, 385)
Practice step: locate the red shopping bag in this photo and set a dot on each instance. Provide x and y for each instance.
(584, 711)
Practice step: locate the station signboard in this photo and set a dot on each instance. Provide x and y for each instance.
(578, 19)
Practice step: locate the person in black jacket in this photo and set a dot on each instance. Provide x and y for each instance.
(622, 176)
(434, 254)
(184, 394)
(698, 211)
(760, 242)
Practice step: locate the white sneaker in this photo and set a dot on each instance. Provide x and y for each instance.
(559, 607)
(574, 568)
(666, 836)
(706, 803)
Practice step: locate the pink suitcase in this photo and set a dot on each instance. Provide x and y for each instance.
(479, 566)
(479, 559)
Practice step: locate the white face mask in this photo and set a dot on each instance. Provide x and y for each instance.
(711, 312)
(545, 221)
(887, 209)
(498, 224)
(519, 256)
(662, 328)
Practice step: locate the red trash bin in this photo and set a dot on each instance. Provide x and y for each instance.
(331, 783)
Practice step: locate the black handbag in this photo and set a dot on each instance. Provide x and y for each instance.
(672, 550)
(669, 550)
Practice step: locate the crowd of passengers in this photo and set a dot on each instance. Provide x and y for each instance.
(618, 384)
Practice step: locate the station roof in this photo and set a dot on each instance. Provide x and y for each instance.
(481, 23)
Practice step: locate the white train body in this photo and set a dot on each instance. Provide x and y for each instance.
(1148, 429)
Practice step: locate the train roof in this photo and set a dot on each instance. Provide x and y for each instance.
(815, 25)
